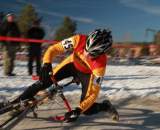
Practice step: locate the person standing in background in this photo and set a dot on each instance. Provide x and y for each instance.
(1, 21)
(9, 28)
(34, 49)
(1, 17)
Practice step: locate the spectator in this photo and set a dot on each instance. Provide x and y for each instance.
(34, 49)
(1, 21)
(1, 17)
(9, 28)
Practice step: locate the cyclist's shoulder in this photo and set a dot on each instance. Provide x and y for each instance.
(78, 37)
(99, 66)
(101, 61)
(77, 40)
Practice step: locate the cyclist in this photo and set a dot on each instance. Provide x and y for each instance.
(87, 63)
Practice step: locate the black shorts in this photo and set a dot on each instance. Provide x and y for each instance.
(69, 70)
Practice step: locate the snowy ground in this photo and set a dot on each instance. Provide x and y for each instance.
(134, 90)
(120, 82)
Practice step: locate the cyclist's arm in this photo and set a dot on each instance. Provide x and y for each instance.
(92, 94)
(59, 48)
(93, 89)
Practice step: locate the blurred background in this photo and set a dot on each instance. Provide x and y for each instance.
(135, 24)
(133, 73)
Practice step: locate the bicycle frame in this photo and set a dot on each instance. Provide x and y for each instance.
(15, 120)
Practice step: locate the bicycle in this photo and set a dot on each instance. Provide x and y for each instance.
(29, 105)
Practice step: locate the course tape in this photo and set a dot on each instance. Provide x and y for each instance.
(16, 39)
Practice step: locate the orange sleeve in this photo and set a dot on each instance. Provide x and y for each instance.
(99, 72)
(59, 48)
(52, 51)
(93, 88)
(88, 102)
(91, 96)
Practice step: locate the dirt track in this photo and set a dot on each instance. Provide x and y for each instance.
(137, 114)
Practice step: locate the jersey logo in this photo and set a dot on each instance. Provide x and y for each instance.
(67, 44)
(98, 80)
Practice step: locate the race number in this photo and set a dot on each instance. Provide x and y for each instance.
(67, 44)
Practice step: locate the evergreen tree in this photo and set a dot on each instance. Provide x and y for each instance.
(67, 29)
(27, 16)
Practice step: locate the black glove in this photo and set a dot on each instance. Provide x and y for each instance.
(72, 115)
(46, 73)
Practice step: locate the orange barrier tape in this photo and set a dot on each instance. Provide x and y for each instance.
(137, 46)
(125, 46)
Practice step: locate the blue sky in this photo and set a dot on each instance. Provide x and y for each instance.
(128, 19)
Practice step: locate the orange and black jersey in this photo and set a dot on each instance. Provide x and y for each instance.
(94, 67)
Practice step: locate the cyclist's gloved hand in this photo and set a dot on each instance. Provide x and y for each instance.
(72, 115)
(46, 73)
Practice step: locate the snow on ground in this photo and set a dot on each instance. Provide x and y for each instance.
(132, 81)
(119, 82)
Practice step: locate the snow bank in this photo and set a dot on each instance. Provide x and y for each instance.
(119, 82)
(132, 81)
